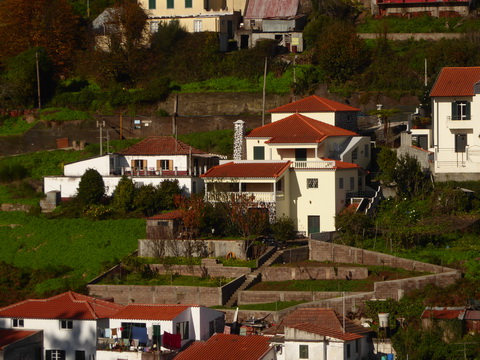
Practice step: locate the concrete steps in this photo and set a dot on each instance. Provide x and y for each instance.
(253, 278)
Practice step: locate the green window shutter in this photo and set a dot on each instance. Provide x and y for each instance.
(152, 4)
(258, 153)
(188, 3)
(454, 110)
(170, 4)
(467, 110)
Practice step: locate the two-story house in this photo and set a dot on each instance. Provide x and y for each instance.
(151, 161)
(455, 136)
(281, 20)
(297, 166)
(219, 16)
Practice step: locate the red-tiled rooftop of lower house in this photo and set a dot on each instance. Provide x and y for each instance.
(9, 336)
(329, 318)
(313, 103)
(151, 311)
(259, 169)
(444, 313)
(298, 129)
(161, 145)
(69, 305)
(176, 214)
(325, 331)
(227, 347)
(456, 81)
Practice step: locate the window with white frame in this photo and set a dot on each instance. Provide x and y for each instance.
(183, 329)
(55, 355)
(18, 323)
(312, 183)
(197, 26)
(153, 27)
(166, 164)
(66, 324)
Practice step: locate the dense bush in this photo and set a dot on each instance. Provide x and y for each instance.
(12, 172)
(91, 188)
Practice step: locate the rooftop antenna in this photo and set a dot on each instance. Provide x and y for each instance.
(264, 88)
(426, 81)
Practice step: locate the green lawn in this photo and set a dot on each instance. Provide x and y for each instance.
(77, 248)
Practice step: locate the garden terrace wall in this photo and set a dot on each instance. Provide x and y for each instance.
(283, 273)
(218, 271)
(324, 251)
(142, 294)
(293, 255)
(263, 297)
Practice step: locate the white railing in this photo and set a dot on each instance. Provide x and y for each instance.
(321, 164)
(224, 196)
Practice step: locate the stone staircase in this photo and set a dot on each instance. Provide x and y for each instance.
(252, 278)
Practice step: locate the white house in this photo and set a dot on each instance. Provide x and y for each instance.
(69, 322)
(297, 166)
(319, 334)
(151, 161)
(322, 109)
(455, 128)
(220, 16)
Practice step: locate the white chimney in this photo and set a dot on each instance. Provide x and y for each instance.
(239, 140)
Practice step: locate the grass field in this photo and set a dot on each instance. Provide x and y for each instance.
(77, 248)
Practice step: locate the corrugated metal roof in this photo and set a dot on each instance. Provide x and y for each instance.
(68, 305)
(313, 103)
(228, 347)
(160, 145)
(456, 81)
(258, 169)
(262, 9)
(298, 129)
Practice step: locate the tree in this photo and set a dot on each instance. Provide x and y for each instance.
(91, 188)
(387, 161)
(283, 228)
(385, 116)
(147, 200)
(124, 195)
(168, 190)
(341, 53)
(50, 24)
(410, 178)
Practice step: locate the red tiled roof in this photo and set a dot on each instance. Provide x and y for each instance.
(325, 331)
(150, 311)
(472, 315)
(443, 313)
(340, 165)
(68, 305)
(160, 145)
(298, 129)
(9, 336)
(259, 169)
(328, 318)
(175, 214)
(313, 103)
(456, 81)
(227, 347)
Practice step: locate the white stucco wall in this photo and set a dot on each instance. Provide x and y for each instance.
(68, 185)
(82, 336)
(326, 117)
(100, 163)
(444, 131)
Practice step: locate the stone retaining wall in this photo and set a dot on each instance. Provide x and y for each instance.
(313, 273)
(15, 207)
(202, 271)
(263, 297)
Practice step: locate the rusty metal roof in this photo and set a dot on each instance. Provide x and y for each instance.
(263, 9)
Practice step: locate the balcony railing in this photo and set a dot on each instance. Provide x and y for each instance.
(313, 164)
(259, 196)
(128, 171)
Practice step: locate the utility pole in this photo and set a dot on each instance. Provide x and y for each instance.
(101, 125)
(264, 89)
(38, 82)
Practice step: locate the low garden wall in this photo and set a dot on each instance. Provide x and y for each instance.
(203, 271)
(263, 297)
(293, 255)
(279, 273)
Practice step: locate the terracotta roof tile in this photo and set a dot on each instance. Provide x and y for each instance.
(227, 347)
(343, 165)
(68, 305)
(298, 129)
(325, 331)
(160, 145)
(9, 336)
(313, 103)
(175, 214)
(328, 318)
(456, 81)
(150, 312)
(258, 169)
